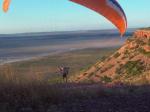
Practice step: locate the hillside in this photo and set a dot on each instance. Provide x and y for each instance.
(128, 65)
(22, 88)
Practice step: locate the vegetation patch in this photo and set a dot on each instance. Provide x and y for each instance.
(104, 58)
(127, 53)
(149, 42)
(116, 55)
(119, 70)
(106, 79)
(141, 50)
(140, 42)
(133, 68)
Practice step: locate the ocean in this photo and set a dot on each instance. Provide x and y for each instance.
(16, 47)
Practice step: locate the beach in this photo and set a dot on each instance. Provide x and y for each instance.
(18, 47)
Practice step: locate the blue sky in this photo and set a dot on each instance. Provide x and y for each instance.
(63, 15)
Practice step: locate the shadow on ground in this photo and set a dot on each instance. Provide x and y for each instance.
(41, 97)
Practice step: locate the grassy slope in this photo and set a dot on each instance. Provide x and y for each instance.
(46, 68)
(42, 97)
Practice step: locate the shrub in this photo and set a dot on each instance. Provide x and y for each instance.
(149, 42)
(106, 79)
(141, 50)
(116, 55)
(140, 42)
(104, 58)
(119, 70)
(126, 52)
(133, 68)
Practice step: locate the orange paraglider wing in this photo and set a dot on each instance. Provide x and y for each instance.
(6, 4)
(109, 9)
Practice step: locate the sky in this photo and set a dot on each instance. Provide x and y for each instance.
(63, 15)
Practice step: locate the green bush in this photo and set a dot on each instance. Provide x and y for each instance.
(133, 68)
(141, 50)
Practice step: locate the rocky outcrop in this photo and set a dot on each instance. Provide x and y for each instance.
(146, 48)
(142, 33)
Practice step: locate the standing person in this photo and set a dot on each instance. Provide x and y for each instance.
(64, 72)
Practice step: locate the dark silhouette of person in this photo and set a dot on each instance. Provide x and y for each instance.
(64, 72)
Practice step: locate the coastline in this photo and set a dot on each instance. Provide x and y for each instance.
(15, 60)
(16, 48)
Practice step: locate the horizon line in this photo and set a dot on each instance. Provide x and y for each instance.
(60, 31)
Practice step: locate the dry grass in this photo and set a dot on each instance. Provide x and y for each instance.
(8, 74)
(46, 68)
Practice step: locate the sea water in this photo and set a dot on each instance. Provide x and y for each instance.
(16, 47)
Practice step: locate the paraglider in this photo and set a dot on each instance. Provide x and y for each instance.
(110, 9)
(6, 4)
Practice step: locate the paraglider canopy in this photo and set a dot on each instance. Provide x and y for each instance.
(6, 4)
(110, 9)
